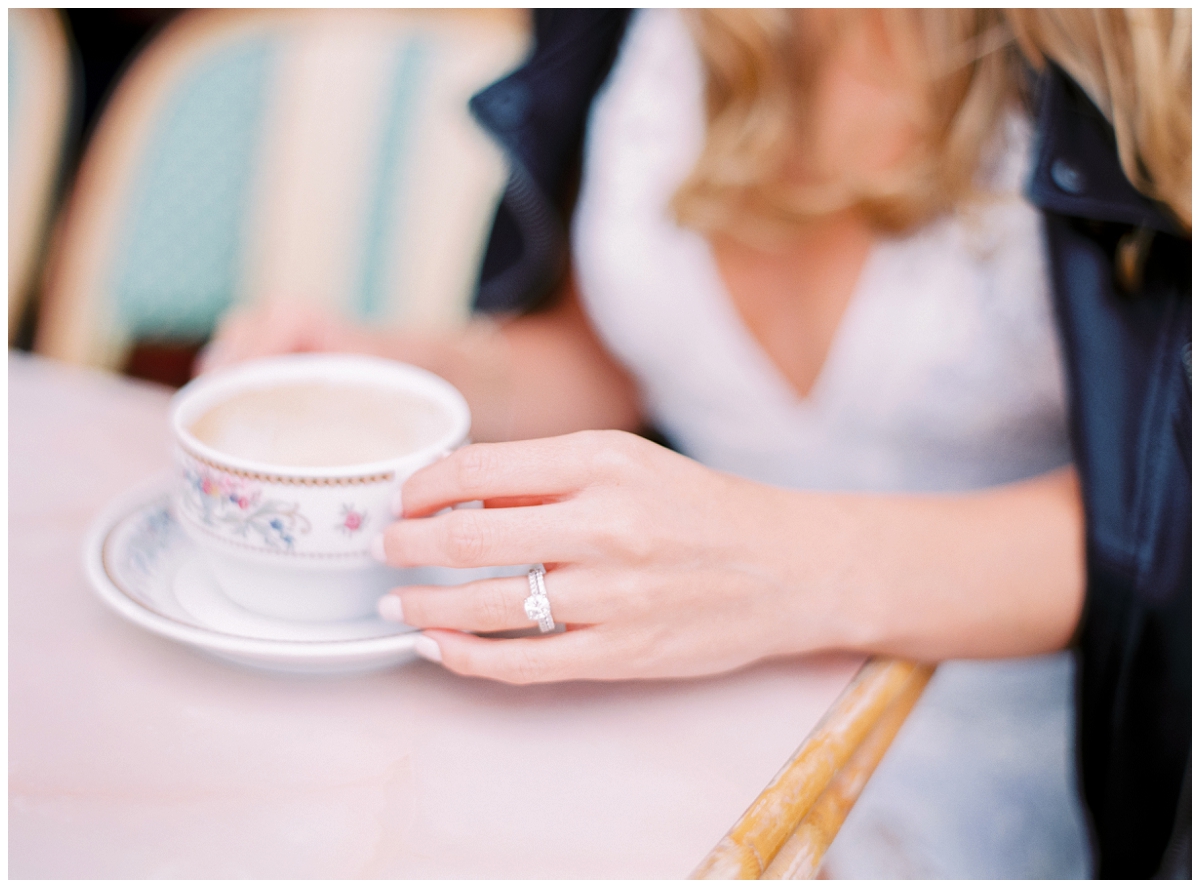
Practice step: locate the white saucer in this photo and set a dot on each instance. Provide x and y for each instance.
(143, 566)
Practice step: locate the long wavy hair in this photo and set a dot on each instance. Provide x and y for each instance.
(761, 69)
(966, 67)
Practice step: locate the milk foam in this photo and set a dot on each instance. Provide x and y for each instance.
(313, 424)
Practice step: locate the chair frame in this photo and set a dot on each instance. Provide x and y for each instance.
(84, 238)
(41, 148)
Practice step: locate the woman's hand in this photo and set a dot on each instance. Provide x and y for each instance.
(661, 567)
(280, 327)
(657, 565)
(473, 358)
(528, 377)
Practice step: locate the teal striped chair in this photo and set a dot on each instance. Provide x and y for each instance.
(321, 155)
(39, 106)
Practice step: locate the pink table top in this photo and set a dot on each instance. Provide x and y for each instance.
(132, 756)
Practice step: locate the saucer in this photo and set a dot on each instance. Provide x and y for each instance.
(144, 566)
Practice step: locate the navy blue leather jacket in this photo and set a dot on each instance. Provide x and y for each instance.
(1122, 275)
(1126, 340)
(537, 114)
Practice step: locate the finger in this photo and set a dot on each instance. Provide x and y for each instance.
(563, 657)
(285, 327)
(492, 605)
(544, 467)
(242, 335)
(225, 346)
(483, 538)
(208, 359)
(483, 606)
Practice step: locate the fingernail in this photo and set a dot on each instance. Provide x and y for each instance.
(390, 608)
(397, 504)
(426, 647)
(376, 548)
(210, 356)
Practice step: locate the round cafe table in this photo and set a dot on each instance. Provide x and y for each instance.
(132, 756)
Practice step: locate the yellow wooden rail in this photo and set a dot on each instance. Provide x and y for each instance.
(800, 857)
(797, 816)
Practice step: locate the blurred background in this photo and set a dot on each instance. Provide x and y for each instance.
(95, 46)
(165, 165)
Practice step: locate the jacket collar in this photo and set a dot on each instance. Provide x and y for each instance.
(1076, 170)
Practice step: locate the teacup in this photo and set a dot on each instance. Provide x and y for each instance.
(288, 467)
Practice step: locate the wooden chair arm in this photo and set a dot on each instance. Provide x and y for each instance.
(787, 829)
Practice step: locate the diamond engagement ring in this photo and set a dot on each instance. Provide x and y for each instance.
(537, 605)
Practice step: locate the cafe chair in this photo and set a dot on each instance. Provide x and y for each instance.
(40, 81)
(320, 155)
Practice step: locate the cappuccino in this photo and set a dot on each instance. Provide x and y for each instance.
(314, 424)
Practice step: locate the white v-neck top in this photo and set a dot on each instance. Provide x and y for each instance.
(944, 374)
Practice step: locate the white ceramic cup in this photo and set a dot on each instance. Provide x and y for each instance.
(292, 541)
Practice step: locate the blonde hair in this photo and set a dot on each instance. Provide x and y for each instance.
(1136, 65)
(760, 70)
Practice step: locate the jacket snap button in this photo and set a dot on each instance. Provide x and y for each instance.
(509, 106)
(1067, 177)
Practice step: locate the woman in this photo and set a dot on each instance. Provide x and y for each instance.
(794, 270)
(748, 325)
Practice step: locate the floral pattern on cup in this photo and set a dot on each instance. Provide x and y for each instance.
(236, 506)
(353, 520)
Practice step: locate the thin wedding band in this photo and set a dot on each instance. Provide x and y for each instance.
(537, 605)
